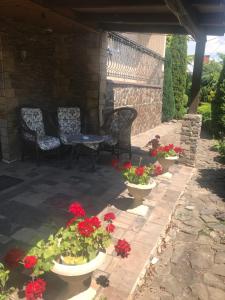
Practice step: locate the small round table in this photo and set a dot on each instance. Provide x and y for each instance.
(89, 140)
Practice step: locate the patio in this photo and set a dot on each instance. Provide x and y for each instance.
(36, 207)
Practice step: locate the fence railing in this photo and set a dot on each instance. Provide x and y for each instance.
(128, 60)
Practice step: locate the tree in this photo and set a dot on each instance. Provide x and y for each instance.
(218, 106)
(168, 106)
(178, 46)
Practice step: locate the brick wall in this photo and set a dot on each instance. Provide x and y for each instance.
(146, 100)
(47, 70)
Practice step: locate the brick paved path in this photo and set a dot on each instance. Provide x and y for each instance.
(192, 260)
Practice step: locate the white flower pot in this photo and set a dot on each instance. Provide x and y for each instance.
(167, 162)
(77, 278)
(140, 191)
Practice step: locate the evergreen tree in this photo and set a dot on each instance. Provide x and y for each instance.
(168, 106)
(178, 46)
(218, 106)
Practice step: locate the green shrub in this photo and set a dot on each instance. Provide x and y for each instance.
(218, 107)
(178, 47)
(220, 147)
(168, 106)
(205, 110)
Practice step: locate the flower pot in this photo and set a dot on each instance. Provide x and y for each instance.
(140, 191)
(77, 278)
(167, 162)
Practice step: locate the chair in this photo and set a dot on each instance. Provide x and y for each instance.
(33, 131)
(117, 128)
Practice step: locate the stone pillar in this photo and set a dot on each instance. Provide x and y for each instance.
(190, 134)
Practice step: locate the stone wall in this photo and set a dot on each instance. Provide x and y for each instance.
(47, 69)
(190, 133)
(145, 99)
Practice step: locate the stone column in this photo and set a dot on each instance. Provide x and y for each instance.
(190, 134)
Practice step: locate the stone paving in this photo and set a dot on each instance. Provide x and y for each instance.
(191, 261)
(37, 207)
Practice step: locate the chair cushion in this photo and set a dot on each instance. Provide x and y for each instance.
(33, 119)
(69, 121)
(48, 142)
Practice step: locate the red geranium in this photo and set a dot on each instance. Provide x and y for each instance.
(77, 210)
(29, 262)
(109, 217)
(139, 171)
(94, 221)
(127, 165)
(122, 248)
(13, 257)
(158, 169)
(85, 228)
(154, 153)
(178, 149)
(110, 228)
(115, 163)
(35, 289)
(71, 221)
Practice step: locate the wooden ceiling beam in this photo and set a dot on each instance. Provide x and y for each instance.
(147, 28)
(92, 4)
(128, 18)
(186, 16)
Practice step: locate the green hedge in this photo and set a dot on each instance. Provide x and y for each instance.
(205, 110)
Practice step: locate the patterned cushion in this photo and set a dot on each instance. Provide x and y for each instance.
(69, 121)
(48, 142)
(33, 119)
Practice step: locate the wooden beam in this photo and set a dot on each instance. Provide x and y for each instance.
(161, 19)
(186, 16)
(104, 3)
(196, 76)
(147, 28)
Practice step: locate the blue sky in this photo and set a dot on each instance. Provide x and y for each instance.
(214, 44)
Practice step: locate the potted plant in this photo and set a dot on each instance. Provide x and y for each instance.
(137, 179)
(73, 253)
(167, 155)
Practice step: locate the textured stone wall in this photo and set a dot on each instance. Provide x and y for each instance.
(190, 133)
(47, 70)
(145, 99)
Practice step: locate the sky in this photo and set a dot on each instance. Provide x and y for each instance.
(214, 44)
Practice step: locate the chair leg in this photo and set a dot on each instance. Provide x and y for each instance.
(37, 157)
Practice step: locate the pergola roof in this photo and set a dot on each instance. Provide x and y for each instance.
(196, 17)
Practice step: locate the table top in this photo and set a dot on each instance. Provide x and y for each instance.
(85, 139)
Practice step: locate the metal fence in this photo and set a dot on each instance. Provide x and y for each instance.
(128, 60)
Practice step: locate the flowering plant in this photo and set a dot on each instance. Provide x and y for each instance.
(134, 174)
(166, 151)
(4, 276)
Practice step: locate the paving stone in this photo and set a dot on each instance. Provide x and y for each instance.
(220, 257)
(201, 258)
(218, 269)
(200, 290)
(172, 285)
(209, 218)
(26, 235)
(216, 294)
(214, 281)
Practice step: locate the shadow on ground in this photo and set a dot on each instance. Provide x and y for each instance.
(214, 180)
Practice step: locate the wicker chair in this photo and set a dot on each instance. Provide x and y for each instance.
(33, 133)
(117, 129)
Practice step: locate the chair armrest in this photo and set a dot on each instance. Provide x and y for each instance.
(25, 128)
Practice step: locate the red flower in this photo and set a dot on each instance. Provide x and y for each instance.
(85, 228)
(122, 248)
(139, 171)
(29, 262)
(171, 146)
(35, 289)
(110, 227)
(127, 165)
(158, 169)
(94, 221)
(109, 217)
(71, 221)
(154, 153)
(178, 150)
(115, 163)
(13, 256)
(77, 210)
